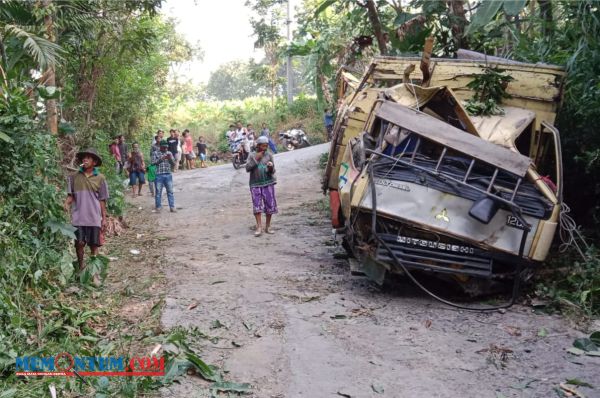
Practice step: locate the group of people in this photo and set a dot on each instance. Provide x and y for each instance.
(87, 189)
(167, 156)
(247, 136)
(181, 146)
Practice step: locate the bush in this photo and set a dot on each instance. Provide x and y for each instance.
(34, 234)
(579, 286)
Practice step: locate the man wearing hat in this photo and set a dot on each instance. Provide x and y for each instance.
(87, 194)
(164, 161)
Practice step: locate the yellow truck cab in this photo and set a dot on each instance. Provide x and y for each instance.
(417, 184)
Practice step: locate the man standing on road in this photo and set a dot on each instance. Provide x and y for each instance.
(136, 169)
(201, 145)
(265, 132)
(124, 150)
(87, 192)
(172, 142)
(116, 154)
(328, 120)
(164, 160)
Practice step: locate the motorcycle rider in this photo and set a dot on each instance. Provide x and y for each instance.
(251, 135)
(230, 134)
(328, 120)
(241, 133)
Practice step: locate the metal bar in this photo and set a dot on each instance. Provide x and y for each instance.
(417, 145)
(469, 170)
(517, 185)
(441, 158)
(438, 268)
(429, 256)
(450, 257)
(493, 180)
(512, 205)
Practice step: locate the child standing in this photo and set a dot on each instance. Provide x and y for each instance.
(201, 145)
(136, 169)
(261, 167)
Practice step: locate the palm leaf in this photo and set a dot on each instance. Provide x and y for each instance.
(44, 52)
(17, 12)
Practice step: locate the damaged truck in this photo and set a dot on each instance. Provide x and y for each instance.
(418, 187)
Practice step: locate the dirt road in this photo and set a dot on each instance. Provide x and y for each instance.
(293, 322)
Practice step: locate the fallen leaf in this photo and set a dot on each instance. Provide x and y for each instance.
(575, 351)
(216, 324)
(215, 282)
(427, 324)
(228, 386)
(542, 332)
(377, 388)
(585, 344)
(156, 349)
(361, 312)
(571, 390)
(339, 316)
(577, 382)
(193, 305)
(512, 330)
(343, 394)
(235, 344)
(135, 252)
(523, 385)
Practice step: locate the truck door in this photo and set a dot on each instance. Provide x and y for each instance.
(547, 156)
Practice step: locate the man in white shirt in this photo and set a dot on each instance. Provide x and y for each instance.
(241, 132)
(231, 135)
(179, 151)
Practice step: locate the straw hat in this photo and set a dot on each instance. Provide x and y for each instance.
(91, 152)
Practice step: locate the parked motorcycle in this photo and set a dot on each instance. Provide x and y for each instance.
(294, 139)
(239, 155)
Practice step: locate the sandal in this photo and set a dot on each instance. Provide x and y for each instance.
(269, 231)
(257, 232)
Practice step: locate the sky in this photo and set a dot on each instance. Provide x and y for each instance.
(222, 27)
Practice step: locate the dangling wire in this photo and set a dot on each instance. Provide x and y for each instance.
(570, 235)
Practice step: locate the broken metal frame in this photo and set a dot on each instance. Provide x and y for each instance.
(400, 263)
(515, 209)
(517, 170)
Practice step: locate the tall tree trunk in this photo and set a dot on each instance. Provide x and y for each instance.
(546, 16)
(51, 112)
(376, 24)
(326, 89)
(459, 21)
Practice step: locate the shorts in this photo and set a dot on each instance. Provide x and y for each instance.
(136, 176)
(263, 199)
(91, 236)
(202, 156)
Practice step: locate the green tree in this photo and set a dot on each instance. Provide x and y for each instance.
(235, 80)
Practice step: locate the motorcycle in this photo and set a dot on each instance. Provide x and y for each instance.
(239, 154)
(294, 139)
